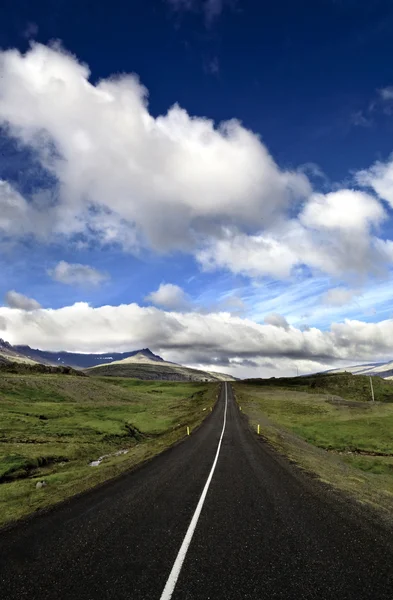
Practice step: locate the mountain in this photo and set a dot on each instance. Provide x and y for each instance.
(384, 370)
(141, 366)
(78, 360)
(10, 354)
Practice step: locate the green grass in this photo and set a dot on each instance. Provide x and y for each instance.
(347, 443)
(53, 425)
(346, 385)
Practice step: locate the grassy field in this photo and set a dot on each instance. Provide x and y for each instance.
(345, 385)
(53, 426)
(346, 442)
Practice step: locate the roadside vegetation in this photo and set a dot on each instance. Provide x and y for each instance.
(53, 425)
(329, 426)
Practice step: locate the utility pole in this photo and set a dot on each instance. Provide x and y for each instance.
(372, 390)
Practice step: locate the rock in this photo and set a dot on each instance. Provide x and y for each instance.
(119, 453)
(40, 484)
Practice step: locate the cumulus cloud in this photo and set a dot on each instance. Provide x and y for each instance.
(14, 211)
(15, 300)
(173, 182)
(19, 218)
(254, 255)
(379, 177)
(276, 320)
(170, 180)
(338, 296)
(169, 296)
(333, 234)
(76, 274)
(188, 336)
(348, 210)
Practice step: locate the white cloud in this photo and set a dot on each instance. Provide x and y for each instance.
(174, 182)
(76, 274)
(347, 210)
(333, 234)
(254, 255)
(169, 296)
(169, 181)
(19, 218)
(14, 211)
(233, 304)
(15, 300)
(276, 320)
(191, 338)
(380, 178)
(338, 296)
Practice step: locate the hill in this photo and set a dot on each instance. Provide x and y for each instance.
(10, 354)
(384, 370)
(22, 368)
(342, 385)
(145, 367)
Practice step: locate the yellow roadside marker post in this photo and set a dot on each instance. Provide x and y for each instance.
(188, 431)
(259, 429)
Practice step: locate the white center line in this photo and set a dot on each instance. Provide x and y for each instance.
(177, 565)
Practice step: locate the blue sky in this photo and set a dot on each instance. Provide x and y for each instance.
(120, 188)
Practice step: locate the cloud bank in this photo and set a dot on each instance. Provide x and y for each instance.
(194, 338)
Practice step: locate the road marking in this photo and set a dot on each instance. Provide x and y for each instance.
(177, 565)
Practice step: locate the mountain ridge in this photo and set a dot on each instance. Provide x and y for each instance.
(380, 369)
(141, 364)
(79, 360)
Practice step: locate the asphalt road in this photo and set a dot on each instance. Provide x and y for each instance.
(265, 531)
